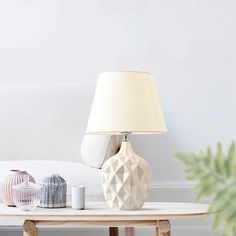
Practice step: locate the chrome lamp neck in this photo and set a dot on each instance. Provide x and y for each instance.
(125, 136)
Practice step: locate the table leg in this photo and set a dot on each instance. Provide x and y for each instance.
(36, 232)
(113, 231)
(29, 229)
(163, 228)
(129, 231)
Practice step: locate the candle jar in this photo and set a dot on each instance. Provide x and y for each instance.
(26, 195)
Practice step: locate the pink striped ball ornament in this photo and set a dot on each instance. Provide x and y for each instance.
(13, 177)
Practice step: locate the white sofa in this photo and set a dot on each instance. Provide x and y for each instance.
(41, 130)
(73, 173)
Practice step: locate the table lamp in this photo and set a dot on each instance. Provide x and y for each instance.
(126, 103)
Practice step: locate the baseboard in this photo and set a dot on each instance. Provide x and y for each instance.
(161, 191)
(171, 184)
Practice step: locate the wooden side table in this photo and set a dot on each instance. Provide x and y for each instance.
(98, 214)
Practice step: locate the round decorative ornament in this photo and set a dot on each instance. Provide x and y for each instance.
(125, 179)
(13, 177)
(53, 192)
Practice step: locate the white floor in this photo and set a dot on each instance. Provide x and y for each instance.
(177, 231)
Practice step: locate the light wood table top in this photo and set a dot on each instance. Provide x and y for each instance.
(98, 214)
(101, 211)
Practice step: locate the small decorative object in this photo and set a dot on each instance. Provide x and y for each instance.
(26, 195)
(78, 197)
(8, 180)
(53, 192)
(215, 177)
(126, 103)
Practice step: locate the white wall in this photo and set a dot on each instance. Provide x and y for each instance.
(189, 46)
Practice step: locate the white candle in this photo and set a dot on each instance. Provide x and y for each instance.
(78, 197)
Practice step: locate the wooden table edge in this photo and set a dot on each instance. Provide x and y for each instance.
(101, 217)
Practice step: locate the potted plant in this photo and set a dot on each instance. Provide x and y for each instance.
(215, 177)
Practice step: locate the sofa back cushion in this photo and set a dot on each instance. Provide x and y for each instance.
(96, 149)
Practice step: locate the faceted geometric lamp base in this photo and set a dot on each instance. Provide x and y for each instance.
(125, 179)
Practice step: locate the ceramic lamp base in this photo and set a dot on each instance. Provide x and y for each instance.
(125, 179)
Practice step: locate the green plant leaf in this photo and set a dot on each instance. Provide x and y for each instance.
(219, 160)
(219, 219)
(215, 175)
(232, 160)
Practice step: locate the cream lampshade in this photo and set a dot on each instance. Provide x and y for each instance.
(126, 103)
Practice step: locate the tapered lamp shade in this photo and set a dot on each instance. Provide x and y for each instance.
(126, 102)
